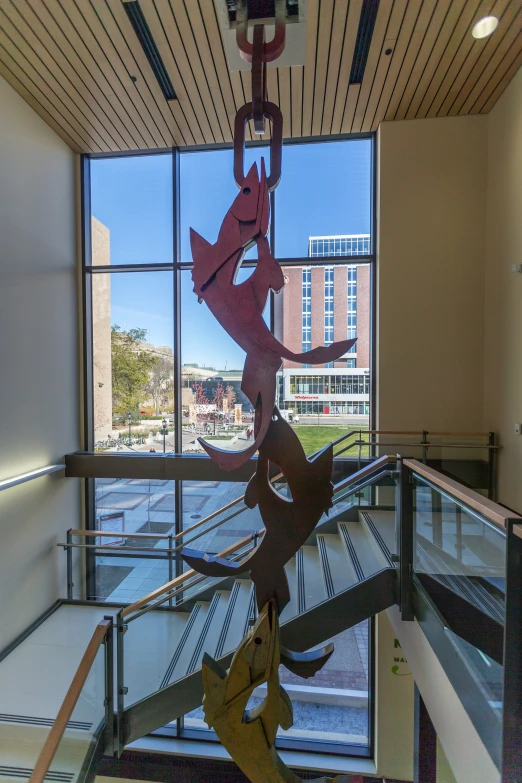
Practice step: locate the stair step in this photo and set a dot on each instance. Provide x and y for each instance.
(237, 613)
(361, 550)
(382, 531)
(337, 572)
(310, 583)
(211, 630)
(290, 609)
(383, 527)
(183, 651)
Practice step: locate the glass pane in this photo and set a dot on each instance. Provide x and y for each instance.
(133, 361)
(207, 190)
(86, 721)
(325, 193)
(139, 515)
(458, 549)
(131, 203)
(487, 674)
(333, 705)
(317, 306)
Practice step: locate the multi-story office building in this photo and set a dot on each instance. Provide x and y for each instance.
(320, 305)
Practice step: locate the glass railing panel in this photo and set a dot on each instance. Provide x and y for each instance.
(486, 673)
(82, 719)
(85, 724)
(460, 549)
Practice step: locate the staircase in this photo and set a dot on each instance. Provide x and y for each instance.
(343, 575)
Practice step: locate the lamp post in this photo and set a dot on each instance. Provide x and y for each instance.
(129, 422)
(164, 432)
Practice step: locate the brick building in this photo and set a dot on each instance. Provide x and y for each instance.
(320, 305)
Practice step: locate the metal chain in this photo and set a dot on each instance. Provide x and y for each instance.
(259, 53)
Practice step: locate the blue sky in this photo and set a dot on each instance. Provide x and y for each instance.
(325, 189)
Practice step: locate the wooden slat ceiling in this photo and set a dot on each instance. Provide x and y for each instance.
(80, 65)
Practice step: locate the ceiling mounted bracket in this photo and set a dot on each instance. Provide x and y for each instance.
(271, 49)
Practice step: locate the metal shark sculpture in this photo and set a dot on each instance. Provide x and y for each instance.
(288, 524)
(239, 308)
(249, 735)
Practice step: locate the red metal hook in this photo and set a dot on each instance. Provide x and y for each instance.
(271, 49)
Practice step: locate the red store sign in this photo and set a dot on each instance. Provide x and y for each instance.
(307, 396)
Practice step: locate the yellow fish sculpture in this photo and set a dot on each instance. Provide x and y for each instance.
(249, 735)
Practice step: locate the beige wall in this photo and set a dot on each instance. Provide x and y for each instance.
(468, 759)
(39, 420)
(432, 215)
(503, 305)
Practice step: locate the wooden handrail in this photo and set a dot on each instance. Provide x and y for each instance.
(182, 578)
(492, 511)
(59, 726)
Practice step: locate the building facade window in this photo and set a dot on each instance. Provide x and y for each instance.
(351, 309)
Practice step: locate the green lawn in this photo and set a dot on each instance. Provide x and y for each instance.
(314, 438)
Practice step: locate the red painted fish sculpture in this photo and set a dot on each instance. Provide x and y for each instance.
(239, 308)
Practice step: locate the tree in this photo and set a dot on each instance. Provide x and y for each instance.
(131, 369)
(219, 393)
(230, 395)
(161, 381)
(200, 398)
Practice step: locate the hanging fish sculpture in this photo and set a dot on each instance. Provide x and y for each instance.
(249, 735)
(288, 524)
(239, 308)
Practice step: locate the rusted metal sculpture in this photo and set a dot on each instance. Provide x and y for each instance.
(250, 735)
(239, 308)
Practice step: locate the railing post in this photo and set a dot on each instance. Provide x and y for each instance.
(512, 699)
(424, 448)
(121, 628)
(70, 583)
(492, 489)
(109, 687)
(170, 540)
(404, 533)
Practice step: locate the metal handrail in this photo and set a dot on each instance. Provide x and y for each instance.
(354, 481)
(462, 495)
(183, 587)
(182, 578)
(102, 633)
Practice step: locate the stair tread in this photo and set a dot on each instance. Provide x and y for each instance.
(310, 584)
(384, 521)
(366, 557)
(290, 609)
(236, 615)
(207, 637)
(337, 571)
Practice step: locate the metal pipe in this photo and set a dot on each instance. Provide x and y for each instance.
(170, 566)
(171, 594)
(109, 687)
(121, 690)
(70, 584)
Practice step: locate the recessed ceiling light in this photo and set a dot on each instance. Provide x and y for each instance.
(484, 27)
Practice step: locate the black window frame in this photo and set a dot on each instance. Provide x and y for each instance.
(177, 266)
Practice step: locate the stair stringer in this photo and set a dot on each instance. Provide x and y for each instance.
(325, 620)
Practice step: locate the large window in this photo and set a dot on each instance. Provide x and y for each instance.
(162, 373)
